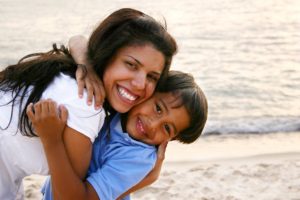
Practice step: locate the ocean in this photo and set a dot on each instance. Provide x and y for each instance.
(245, 55)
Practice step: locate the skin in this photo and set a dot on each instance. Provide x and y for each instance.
(137, 61)
(95, 89)
(132, 76)
(46, 118)
(157, 120)
(135, 69)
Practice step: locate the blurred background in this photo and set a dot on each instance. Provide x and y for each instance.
(244, 54)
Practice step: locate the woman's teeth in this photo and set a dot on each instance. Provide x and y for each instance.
(126, 95)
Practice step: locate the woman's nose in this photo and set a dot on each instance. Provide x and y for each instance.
(139, 81)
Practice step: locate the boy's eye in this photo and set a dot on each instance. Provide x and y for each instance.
(167, 128)
(158, 108)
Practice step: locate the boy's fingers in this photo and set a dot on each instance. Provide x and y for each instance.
(90, 91)
(29, 112)
(80, 81)
(99, 95)
(80, 88)
(37, 110)
(44, 107)
(63, 113)
(53, 108)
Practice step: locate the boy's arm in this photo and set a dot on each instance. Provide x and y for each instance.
(153, 174)
(68, 161)
(85, 75)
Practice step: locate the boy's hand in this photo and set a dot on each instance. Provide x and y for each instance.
(47, 121)
(85, 74)
(87, 78)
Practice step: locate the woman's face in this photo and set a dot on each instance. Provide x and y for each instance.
(132, 75)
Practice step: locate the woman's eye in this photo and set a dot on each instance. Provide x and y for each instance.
(158, 109)
(167, 128)
(153, 78)
(130, 65)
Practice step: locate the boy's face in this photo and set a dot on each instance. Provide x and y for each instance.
(157, 120)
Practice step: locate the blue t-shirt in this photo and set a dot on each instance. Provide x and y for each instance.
(118, 162)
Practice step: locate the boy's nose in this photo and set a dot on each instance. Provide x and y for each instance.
(155, 122)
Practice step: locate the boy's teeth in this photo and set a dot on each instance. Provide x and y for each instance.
(141, 126)
(126, 94)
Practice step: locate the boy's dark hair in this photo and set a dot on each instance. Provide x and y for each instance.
(183, 86)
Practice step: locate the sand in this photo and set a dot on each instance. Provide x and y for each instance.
(222, 167)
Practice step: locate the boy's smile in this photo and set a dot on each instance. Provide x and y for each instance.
(140, 126)
(157, 120)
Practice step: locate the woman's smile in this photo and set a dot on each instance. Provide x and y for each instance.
(126, 94)
(129, 77)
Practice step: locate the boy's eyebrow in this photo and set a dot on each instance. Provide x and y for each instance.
(141, 64)
(166, 108)
(164, 105)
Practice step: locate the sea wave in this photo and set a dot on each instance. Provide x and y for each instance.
(258, 125)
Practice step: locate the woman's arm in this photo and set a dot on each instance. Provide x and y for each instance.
(68, 160)
(85, 74)
(153, 175)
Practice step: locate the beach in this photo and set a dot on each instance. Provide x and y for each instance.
(245, 57)
(222, 167)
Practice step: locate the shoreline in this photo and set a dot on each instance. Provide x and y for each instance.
(235, 167)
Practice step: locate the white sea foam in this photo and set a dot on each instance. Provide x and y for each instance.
(253, 125)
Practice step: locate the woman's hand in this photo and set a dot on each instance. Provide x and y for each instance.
(85, 74)
(47, 120)
(154, 173)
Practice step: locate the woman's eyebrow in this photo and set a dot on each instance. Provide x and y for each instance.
(175, 130)
(136, 60)
(141, 64)
(156, 74)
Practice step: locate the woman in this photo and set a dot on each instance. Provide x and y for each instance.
(127, 40)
